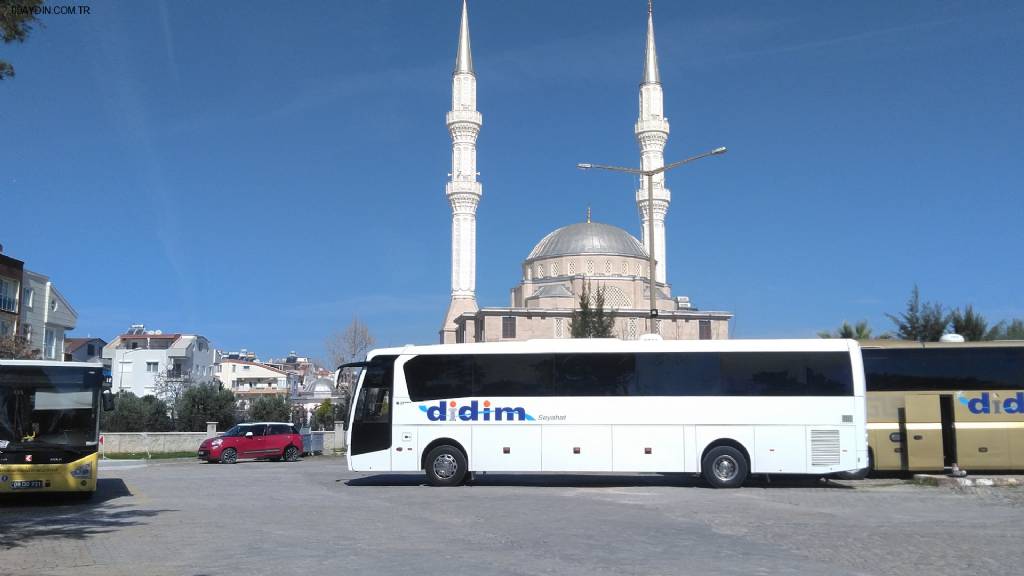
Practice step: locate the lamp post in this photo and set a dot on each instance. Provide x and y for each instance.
(649, 174)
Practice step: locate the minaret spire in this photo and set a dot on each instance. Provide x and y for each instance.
(652, 134)
(462, 190)
(464, 57)
(651, 75)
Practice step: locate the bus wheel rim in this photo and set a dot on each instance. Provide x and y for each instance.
(445, 466)
(725, 468)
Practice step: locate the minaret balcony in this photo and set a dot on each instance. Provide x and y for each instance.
(463, 187)
(652, 125)
(470, 116)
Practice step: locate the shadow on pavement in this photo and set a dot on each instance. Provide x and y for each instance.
(30, 517)
(600, 481)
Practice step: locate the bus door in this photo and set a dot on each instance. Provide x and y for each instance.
(371, 421)
(922, 435)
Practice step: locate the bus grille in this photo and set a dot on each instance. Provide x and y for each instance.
(824, 447)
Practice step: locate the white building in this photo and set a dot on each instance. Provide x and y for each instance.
(251, 380)
(45, 316)
(139, 356)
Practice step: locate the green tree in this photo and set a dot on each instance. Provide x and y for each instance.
(1013, 330)
(271, 408)
(325, 415)
(134, 414)
(17, 348)
(920, 322)
(859, 331)
(591, 321)
(16, 20)
(205, 403)
(969, 324)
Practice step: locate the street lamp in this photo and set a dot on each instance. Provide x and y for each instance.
(650, 208)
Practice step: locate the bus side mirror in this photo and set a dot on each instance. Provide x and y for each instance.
(108, 401)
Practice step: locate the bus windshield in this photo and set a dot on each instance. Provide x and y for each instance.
(48, 406)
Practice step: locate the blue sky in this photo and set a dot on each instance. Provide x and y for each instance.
(260, 172)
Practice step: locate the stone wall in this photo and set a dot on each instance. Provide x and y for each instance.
(164, 442)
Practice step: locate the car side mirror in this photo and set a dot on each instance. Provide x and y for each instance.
(248, 434)
(108, 401)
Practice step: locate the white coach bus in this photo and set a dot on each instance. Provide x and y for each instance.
(723, 409)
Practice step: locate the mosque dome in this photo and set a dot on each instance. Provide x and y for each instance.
(588, 238)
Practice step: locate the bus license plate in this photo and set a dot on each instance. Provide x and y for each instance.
(22, 484)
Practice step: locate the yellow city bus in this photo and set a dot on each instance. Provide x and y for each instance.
(932, 405)
(49, 425)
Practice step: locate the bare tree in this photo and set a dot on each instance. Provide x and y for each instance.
(17, 347)
(170, 386)
(350, 345)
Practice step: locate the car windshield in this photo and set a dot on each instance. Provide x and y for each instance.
(237, 430)
(48, 406)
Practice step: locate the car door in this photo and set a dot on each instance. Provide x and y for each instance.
(255, 446)
(277, 439)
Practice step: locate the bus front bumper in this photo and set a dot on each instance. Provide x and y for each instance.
(75, 476)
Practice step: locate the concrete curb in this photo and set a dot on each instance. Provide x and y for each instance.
(942, 480)
(119, 464)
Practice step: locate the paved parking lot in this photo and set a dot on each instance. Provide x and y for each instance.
(315, 517)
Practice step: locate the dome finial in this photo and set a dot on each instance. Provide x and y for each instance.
(588, 214)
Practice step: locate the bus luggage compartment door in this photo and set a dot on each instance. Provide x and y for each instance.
(922, 434)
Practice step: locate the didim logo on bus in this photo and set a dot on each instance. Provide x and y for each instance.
(985, 404)
(446, 411)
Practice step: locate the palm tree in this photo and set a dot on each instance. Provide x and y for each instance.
(859, 331)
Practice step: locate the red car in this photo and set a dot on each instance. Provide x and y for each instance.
(271, 440)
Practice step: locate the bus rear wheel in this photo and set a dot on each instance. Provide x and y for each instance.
(445, 466)
(724, 467)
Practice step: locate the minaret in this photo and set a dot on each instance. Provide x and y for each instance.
(651, 134)
(462, 190)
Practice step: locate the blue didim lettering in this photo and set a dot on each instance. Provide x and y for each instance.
(980, 405)
(444, 411)
(1014, 404)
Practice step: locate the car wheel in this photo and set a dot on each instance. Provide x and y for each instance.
(724, 467)
(291, 454)
(445, 466)
(229, 456)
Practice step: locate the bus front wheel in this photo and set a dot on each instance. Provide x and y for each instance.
(724, 467)
(446, 466)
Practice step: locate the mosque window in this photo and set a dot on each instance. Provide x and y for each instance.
(559, 328)
(508, 326)
(572, 267)
(705, 330)
(590, 267)
(636, 269)
(540, 270)
(657, 325)
(625, 268)
(632, 328)
(554, 268)
(607, 266)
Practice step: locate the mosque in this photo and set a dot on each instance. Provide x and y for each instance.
(558, 267)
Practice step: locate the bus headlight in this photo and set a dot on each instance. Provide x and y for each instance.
(82, 471)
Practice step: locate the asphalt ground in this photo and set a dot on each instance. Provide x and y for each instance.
(316, 517)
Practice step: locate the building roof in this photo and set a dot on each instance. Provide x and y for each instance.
(259, 364)
(72, 344)
(588, 238)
